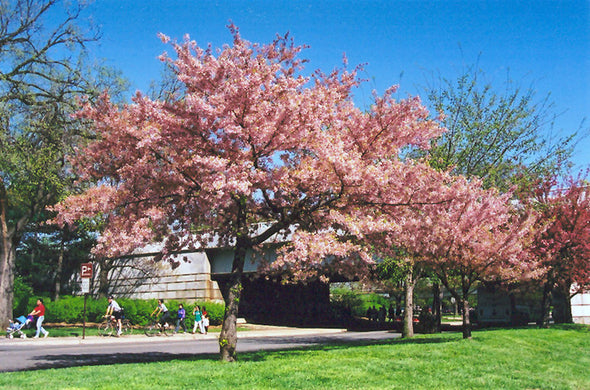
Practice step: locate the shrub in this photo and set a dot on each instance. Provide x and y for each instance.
(427, 322)
(95, 309)
(69, 309)
(346, 303)
(215, 311)
(22, 294)
(370, 300)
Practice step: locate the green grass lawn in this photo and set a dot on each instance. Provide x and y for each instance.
(557, 358)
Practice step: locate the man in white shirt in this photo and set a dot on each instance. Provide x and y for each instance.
(115, 310)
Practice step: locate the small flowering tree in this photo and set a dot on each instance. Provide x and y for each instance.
(251, 149)
(470, 235)
(479, 236)
(403, 249)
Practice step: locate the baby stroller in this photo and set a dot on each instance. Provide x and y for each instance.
(17, 326)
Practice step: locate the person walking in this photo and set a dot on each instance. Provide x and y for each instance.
(198, 320)
(205, 320)
(180, 319)
(39, 312)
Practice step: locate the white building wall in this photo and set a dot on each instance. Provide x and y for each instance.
(581, 308)
(190, 281)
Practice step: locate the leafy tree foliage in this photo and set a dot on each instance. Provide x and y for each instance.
(499, 136)
(42, 71)
(48, 257)
(402, 270)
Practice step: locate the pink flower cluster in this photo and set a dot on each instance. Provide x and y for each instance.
(254, 141)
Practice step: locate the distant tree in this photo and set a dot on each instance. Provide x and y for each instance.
(253, 149)
(48, 258)
(499, 133)
(389, 278)
(42, 70)
(403, 270)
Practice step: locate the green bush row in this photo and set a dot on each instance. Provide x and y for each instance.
(22, 294)
(70, 309)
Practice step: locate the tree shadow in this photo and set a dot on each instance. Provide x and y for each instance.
(79, 360)
(274, 346)
(321, 344)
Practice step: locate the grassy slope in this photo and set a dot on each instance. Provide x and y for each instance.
(507, 359)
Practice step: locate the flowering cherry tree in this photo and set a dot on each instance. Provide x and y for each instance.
(405, 248)
(250, 149)
(477, 237)
(470, 235)
(563, 246)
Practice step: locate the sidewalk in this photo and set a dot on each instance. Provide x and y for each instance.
(255, 331)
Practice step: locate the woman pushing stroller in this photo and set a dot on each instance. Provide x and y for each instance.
(39, 312)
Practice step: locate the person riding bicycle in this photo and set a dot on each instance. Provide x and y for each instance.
(115, 310)
(165, 318)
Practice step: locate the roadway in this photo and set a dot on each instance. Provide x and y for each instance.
(58, 352)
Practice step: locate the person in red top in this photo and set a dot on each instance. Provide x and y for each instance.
(39, 312)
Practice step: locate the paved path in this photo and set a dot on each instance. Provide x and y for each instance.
(56, 352)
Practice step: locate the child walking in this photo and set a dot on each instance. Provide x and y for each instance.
(198, 320)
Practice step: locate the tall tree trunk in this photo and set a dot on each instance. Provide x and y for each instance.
(562, 305)
(7, 256)
(543, 320)
(228, 338)
(569, 318)
(466, 319)
(408, 329)
(231, 291)
(567, 303)
(59, 268)
(437, 305)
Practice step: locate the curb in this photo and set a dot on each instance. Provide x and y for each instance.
(258, 331)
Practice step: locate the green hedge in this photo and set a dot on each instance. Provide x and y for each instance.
(21, 298)
(69, 309)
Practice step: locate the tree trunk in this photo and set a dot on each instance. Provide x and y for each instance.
(543, 320)
(7, 256)
(562, 305)
(437, 305)
(408, 329)
(466, 320)
(569, 318)
(231, 291)
(59, 268)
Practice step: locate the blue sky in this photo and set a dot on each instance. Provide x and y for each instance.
(543, 44)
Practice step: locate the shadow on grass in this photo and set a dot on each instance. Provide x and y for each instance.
(249, 350)
(79, 360)
(332, 345)
(584, 328)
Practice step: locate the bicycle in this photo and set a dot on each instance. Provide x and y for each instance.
(153, 328)
(110, 327)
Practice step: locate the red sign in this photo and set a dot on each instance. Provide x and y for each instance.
(86, 270)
